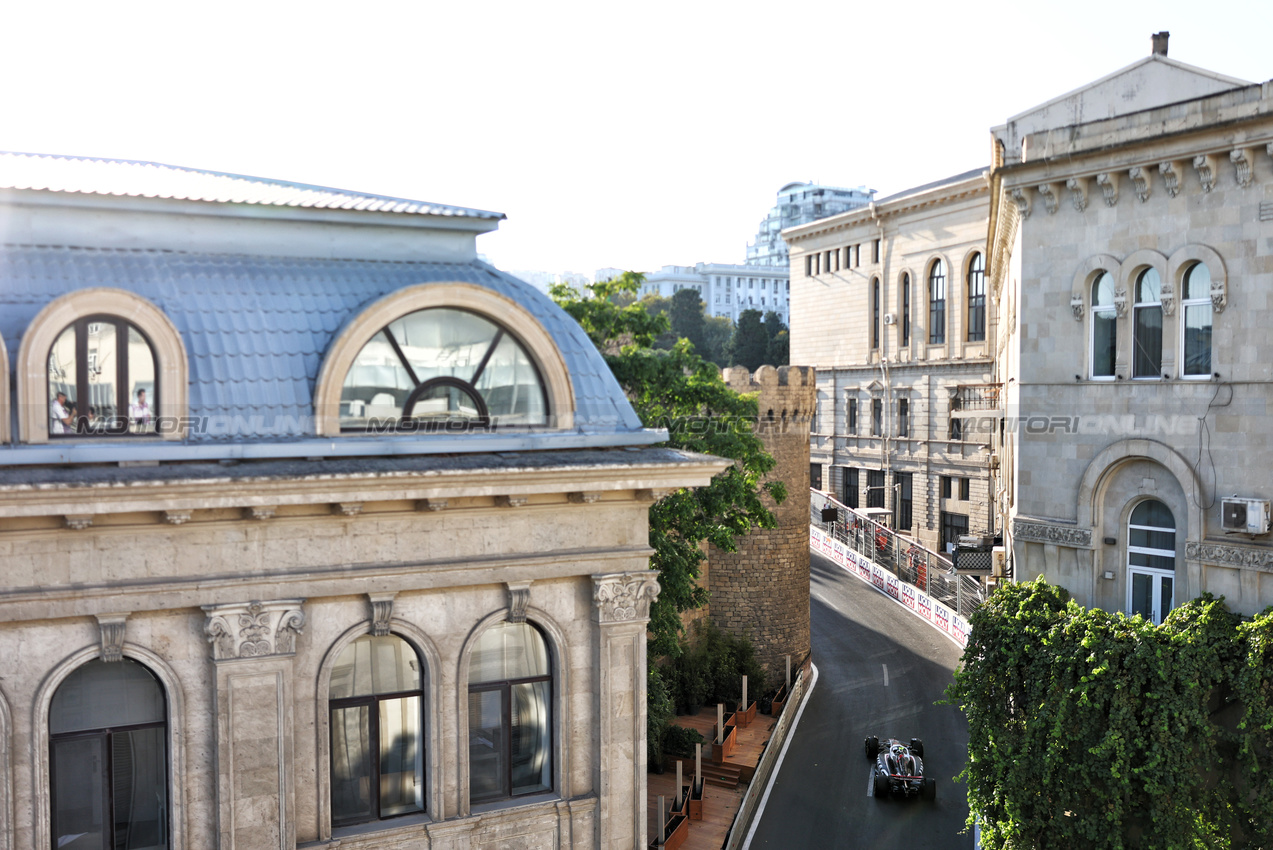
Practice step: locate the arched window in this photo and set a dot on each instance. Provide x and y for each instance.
(442, 368)
(510, 714)
(102, 372)
(1196, 327)
(977, 298)
(906, 309)
(937, 303)
(109, 759)
(875, 313)
(377, 741)
(1147, 326)
(1151, 560)
(1104, 328)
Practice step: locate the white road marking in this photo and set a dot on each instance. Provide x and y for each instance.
(870, 782)
(885, 666)
(773, 775)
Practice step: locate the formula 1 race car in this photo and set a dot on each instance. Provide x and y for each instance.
(899, 769)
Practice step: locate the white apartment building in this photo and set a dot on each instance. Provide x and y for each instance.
(726, 289)
(800, 203)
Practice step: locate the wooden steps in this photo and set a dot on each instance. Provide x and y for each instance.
(727, 775)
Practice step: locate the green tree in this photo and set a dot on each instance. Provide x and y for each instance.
(778, 350)
(718, 331)
(688, 321)
(1098, 730)
(750, 345)
(679, 390)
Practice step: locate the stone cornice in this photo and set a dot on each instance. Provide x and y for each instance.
(1036, 531)
(863, 216)
(28, 500)
(1231, 555)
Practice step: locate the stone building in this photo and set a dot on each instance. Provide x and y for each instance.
(314, 529)
(762, 588)
(1132, 258)
(889, 303)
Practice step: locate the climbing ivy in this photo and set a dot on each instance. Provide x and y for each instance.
(1098, 730)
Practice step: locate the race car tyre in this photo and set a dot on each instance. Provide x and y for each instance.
(917, 747)
(881, 785)
(930, 789)
(872, 747)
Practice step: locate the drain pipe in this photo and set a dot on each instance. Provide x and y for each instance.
(886, 414)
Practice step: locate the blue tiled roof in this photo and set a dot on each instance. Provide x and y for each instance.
(98, 176)
(256, 328)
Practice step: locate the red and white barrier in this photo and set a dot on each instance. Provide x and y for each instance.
(910, 597)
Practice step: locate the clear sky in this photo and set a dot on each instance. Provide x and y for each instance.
(612, 134)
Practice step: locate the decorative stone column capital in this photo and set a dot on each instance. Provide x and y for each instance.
(111, 630)
(625, 597)
(518, 600)
(254, 629)
(381, 612)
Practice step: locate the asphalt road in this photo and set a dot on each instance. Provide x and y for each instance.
(820, 797)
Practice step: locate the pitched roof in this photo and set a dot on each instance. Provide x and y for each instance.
(122, 177)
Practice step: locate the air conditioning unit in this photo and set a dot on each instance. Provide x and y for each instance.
(999, 562)
(890, 319)
(1246, 516)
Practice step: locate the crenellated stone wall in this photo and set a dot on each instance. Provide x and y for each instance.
(762, 590)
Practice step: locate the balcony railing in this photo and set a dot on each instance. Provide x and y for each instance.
(976, 398)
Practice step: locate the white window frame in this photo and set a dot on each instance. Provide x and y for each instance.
(1185, 304)
(1091, 330)
(1156, 576)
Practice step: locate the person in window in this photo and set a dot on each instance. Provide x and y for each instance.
(60, 416)
(139, 412)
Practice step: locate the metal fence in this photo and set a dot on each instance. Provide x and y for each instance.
(902, 556)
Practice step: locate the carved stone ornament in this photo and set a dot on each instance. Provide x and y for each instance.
(1168, 298)
(111, 631)
(510, 501)
(1044, 532)
(624, 598)
(1022, 197)
(79, 522)
(347, 508)
(518, 600)
(1243, 160)
(431, 504)
(1076, 306)
(1141, 183)
(1218, 297)
(381, 612)
(647, 495)
(260, 512)
(1051, 193)
(1250, 557)
(176, 517)
(1078, 192)
(1120, 301)
(254, 629)
(1205, 165)
(586, 497)
(1170, 172)
(1108, 181)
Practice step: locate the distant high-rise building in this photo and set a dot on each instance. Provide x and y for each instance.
(800, 203)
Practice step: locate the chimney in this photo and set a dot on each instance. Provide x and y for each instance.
(1160, 43)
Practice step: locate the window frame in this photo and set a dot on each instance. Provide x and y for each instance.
(875, 487)
(373, 701)
(952, 526)
(877, 417)
(903, 417)
(936, 304)
(851, 487)
(1093, 309)
(1198, 302)
(1156, 575)
(875, 314)
(905, 500)
(906, 309)
(1140, 308)
(976, 280)
(851, 415)
(84, 365)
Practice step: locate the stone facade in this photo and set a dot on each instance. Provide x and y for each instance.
(762, 589)
(900, 401)
(1144, 189)
(237, 569)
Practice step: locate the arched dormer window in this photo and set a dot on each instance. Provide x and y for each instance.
(443, 356)
(510, 714)
(102, 372)
(99, 347)
(443, 368)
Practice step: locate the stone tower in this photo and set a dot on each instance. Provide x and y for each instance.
(762, 589)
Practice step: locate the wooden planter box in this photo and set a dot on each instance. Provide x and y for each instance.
(685, 798)
(696, 800)
(746, 715)
(676, 830)
(725, 749)
(780, 699)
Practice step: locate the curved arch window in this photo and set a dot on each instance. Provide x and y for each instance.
(906, 309)
(1104, 327)
(442, 368)
(377, 745)
(1147, 327)
(937, 303)
(1196, 328)
(510, 713)
(977, 298)
(101, 379)
(1151, 560)
(109, 759)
